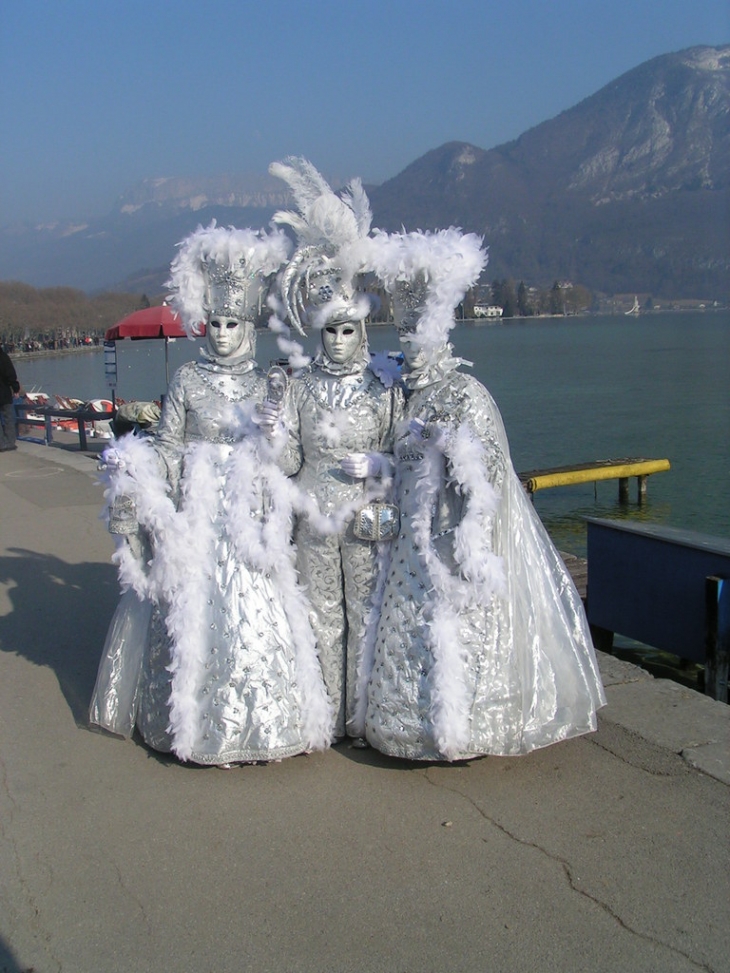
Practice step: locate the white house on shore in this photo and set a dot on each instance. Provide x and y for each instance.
(487, 311)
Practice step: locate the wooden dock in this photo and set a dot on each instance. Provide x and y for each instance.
(608, 469)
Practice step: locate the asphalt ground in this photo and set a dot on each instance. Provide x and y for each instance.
(605, 853)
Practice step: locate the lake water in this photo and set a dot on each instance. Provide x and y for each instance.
(570, 390)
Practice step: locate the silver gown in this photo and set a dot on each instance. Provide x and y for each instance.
(330, 416)
(483, 645)
(229, 672)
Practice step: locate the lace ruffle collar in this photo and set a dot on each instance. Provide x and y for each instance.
(441, 364)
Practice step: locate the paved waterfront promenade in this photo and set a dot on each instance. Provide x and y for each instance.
(607, 853)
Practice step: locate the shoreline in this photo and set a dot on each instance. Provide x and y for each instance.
(478, 322)
(53, 352)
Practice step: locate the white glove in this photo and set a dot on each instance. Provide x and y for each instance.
(111, 460)
(362, 465)
(268, 418)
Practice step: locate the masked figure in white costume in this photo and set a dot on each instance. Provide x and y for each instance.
(340, 418)
(482, 646)
(230, 673)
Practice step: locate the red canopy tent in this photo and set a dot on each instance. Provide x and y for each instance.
(151, 322)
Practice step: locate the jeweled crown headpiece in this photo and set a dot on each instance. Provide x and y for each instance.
(321, 282)
(223, 271)
(409, 301)
(230, 291)
(325, 293)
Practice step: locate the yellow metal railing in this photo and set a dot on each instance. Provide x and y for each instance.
(620, 469)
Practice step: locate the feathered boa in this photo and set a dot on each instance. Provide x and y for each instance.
(479, 578)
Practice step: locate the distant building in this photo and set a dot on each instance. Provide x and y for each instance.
(487, 311)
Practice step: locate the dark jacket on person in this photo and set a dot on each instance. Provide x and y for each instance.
(8, 379)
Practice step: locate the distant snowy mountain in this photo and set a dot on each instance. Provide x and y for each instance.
(626, 191)
(172, 196)
(135, 242)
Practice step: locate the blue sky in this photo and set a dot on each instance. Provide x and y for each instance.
(96, 95)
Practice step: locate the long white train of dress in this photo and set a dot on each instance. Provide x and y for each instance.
(483, 646)
(230, 671)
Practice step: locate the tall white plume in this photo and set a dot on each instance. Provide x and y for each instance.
(449, 260)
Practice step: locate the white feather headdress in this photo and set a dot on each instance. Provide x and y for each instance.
(320, 282)
(223, 270)
(429, 274)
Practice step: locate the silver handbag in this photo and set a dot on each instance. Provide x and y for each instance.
(377, 522)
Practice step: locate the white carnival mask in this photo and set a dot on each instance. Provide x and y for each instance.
(341, 341)
(414, 354)
(228, 336)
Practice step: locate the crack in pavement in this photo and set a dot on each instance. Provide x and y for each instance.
(636, 751)
(132, 895)
(568, 872)
(7, 821)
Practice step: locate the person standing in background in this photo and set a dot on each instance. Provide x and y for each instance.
(9, 386)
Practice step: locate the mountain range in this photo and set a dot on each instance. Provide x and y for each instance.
(625, 192)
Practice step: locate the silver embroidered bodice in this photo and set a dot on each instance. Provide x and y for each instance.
(328, 418)
(207, 402)
(443, 406)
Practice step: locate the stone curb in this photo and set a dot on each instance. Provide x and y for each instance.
(668, 715)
